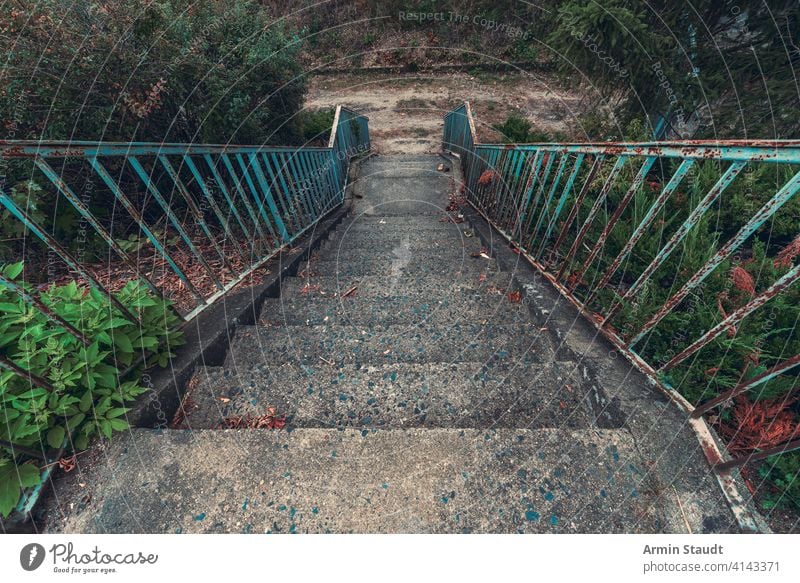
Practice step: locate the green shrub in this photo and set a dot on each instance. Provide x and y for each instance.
(87, 396)
(317, 126)
(149, 70)
(783, 473)
(518, 130)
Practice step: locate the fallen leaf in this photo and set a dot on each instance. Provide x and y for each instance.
(515, 297)
(68, 463)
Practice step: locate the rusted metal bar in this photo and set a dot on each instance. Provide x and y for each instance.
(724, 181)
(601, 197)
(44, 309)
(748, 385)
(151, 187)
(737, 316)
(754, 457)
(73, 263)
(551, 223)
(256, 195)
(89, 149)
(648, 219)
(246, 199)
(266, 194)
(598, 162)
(137, 216)
(34, 379)
(540, 188)
(280, 186)
(768, 151)
(223, 220)
(194, 209)
(211, 165)
(759, 218)
(562, 164)
(612, 222)
(527, 193)
(84, 211)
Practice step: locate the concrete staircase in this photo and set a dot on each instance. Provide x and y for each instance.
(419, 397)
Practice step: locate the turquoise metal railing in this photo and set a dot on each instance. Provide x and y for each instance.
(212, 214)
(585, 215)
(222, 210)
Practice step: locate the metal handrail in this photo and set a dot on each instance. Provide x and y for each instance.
(246, 201)
(552, 200)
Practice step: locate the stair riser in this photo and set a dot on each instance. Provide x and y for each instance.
(416, 242)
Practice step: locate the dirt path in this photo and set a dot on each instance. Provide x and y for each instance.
(406, 111)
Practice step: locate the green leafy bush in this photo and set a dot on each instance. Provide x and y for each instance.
(518, 130)
(783, 473)
(149, 70)
(86, 396)
(317, 126)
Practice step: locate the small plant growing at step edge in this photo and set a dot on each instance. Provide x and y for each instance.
(86, 396)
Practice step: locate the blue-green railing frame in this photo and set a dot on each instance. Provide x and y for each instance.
(261, 198)
(523, 190)
(256, 194)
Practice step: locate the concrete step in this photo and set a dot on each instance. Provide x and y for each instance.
(327, 480)
(397, 187)
(373, 286)
(460, 342)
(424, 162)
(420, 241)
(384, 224)
(466, 306)
(466, 394)
(401, 267)
(440, 253)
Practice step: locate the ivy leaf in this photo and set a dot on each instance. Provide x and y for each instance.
(86, 402)
(119, 424)
(116, 412)
(13, 270)
(75, 420)
(12, 480)
(123, 342)
(55, 437)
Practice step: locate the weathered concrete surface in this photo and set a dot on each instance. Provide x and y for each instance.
(384, 344)
(401, 266)
(359, 310)
(427, 401)
(433, 287)
(402, 395)
(324, 480)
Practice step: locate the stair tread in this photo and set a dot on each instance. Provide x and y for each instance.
(401, 266)
(416, 243)
(326, 480)
(400, 395)
(379, 344)
(306, 309)
(429, 285)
